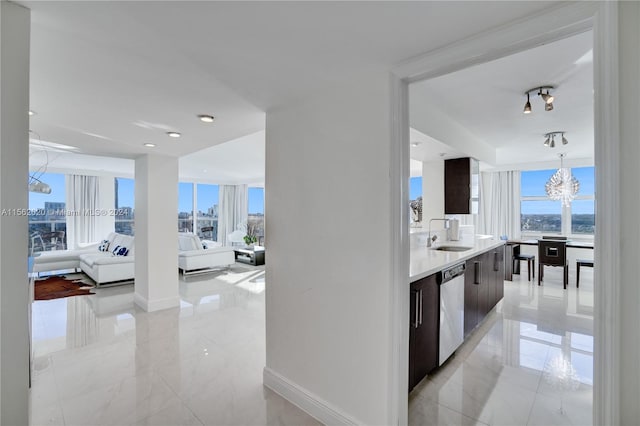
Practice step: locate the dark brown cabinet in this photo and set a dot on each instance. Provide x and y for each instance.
(461, 186)
(472, 282)
(424, 324)
(498, 270)
(483, 286)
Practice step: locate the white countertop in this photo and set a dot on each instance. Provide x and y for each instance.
(425, 261)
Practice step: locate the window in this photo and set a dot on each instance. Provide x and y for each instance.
(207, 208)
(124, 204)
(47, 216)
(255, 220)
(583, 208)
(540, 215)
(415, 192)
(185, 207)
(198, 209)
(415, 187)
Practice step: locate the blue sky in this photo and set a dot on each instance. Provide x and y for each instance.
(415, 187)
(126, 189)
(532, 184)
(56, 182)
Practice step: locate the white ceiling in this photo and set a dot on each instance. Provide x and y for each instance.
(238, 161)
(107, 77)
(424, 148)
(488, 100)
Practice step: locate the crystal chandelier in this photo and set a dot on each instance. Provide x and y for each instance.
(562, 186)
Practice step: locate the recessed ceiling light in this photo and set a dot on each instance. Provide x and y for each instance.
(206, 118)
(32, 112)
(149, 145)
(173, 134)
(414, 144)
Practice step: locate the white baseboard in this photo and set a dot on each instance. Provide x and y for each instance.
(156, 305)
(305, 400)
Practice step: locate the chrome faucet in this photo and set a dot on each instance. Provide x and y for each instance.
(435, 237)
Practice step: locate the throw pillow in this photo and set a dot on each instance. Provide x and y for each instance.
(104, 245)
(114, 250)
(122, 251)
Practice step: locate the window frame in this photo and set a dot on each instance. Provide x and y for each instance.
(565, 213)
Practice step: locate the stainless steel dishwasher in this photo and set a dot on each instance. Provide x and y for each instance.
(451, 282)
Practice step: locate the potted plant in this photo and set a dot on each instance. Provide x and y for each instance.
(250, 240)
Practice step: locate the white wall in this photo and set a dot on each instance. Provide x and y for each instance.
(629, 108)
(328, 220)
(433, 193)
(156, 232)
(15, 24)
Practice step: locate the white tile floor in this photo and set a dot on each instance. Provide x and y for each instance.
(99, 360)
(529, 363)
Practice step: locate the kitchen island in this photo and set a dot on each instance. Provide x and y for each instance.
(452, 290)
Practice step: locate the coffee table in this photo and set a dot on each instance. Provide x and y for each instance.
(252, 256)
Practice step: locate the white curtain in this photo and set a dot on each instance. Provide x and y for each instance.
(232, 212)
(500, 206)
(83, 197)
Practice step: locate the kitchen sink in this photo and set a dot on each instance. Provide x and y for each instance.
(451, 248)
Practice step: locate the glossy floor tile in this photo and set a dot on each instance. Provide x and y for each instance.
(529, 363)
(100, 360)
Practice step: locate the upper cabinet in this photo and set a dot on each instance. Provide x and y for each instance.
(461, 176)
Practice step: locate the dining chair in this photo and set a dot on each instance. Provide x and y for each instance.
(579, 263)
(552, 253)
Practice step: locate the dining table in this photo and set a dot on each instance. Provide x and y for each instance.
(512, 248)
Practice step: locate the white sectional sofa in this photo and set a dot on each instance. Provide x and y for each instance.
(104, 266)
(195, 256)
(98, 260)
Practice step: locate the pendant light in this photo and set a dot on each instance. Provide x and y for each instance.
(561, 185)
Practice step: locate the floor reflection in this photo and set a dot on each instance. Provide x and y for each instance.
(529, 363)
(99, 359)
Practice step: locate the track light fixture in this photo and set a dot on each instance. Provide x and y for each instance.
(527, 106)
(546, 97)
(550, 139)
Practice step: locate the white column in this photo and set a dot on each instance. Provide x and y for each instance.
(629, 108)
(156, 232)
(15, 24)
(328, 301)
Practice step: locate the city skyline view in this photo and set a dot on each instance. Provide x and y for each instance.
(207, 195)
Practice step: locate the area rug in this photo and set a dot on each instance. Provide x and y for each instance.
(59, 286)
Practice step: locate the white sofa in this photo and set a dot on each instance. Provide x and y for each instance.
(196, 256)
(102, 266)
